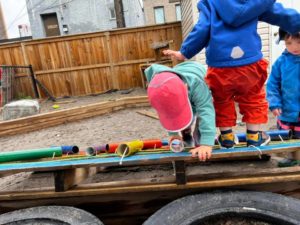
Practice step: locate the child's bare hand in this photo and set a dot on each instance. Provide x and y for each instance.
(276, 112)
(174, 54)
(203, 152)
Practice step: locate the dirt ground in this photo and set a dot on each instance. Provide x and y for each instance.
(123, 125)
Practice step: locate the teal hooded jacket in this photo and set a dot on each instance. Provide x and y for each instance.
(192, 74)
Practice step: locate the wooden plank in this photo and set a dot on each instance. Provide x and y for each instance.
(66, 179)
(149, 114)
(94, 66)
(25, 57)
(272, 180)
(45, 120)
(142, 159)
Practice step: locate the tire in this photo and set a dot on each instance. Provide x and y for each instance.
(49, 215)
(203, 208)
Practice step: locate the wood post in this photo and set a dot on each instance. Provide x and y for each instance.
(179, 168)
(66, 179)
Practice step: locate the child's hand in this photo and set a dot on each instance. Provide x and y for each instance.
(176, 54)
(276, 112)
(203, 152)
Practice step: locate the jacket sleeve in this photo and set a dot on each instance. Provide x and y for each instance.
(199, 36)
(202, 100)
(274, 87)
(287, 19)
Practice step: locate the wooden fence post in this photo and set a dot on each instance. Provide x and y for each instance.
(113, 82)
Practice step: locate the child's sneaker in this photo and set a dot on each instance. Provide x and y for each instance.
(227, 140)
(257, 138)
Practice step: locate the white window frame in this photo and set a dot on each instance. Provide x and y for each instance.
(155, 15)
(178, 12)
(111, 9)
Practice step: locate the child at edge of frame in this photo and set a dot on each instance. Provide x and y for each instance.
(283, 86)
(237, 72)
(181, 97)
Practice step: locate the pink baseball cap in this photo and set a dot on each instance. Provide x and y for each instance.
(168, 95)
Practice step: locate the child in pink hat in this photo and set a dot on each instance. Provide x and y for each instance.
(180, 96)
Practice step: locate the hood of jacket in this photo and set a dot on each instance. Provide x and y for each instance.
(186, 70)
(238, 12)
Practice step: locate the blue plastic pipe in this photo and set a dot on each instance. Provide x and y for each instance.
(274, 134)
(72, 149)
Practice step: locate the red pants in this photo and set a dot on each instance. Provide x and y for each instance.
(244, 85)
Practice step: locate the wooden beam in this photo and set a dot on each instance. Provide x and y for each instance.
(66, 179)
(94, 66)
(199, 185)
(37, 122)
(179, 168)
(152, 115)
(141, 159)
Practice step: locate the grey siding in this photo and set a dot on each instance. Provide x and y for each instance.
(133, 13)
(3, 33)
(81, 15)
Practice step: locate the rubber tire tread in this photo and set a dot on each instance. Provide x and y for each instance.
(61, 214)
(195, 209)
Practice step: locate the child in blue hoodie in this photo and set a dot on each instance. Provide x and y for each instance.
(283, 86)
(236, 70)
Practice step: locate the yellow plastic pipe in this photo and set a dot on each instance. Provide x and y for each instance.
(129, 148)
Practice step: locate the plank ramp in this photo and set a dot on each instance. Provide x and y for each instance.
(70, 172)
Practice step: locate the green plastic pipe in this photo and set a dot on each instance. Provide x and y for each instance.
(30, 154)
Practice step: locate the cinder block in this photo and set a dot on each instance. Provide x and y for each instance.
(20, 108)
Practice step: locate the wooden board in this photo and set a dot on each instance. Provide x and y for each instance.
(37, 122)
(148, 113)
(142, 159)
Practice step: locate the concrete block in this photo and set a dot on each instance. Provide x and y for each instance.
(20, 108)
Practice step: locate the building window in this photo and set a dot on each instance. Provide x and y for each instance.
(111, 8)
(159, 14)
(112, 13)
(178, 12)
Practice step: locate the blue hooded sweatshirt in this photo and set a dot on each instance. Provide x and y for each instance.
(283, 87)
(228, 30)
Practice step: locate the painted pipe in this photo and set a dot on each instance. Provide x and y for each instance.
(129, 148)
(72, 149)
(30, 154)
(176, 145)
(151, 144)
(274, 134)
(111, 148)
(165, 142)
(95, 150)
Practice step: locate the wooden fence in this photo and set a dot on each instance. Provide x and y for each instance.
(90, 63)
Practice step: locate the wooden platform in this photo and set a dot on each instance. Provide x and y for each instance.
(135, 190)
(70, 172)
